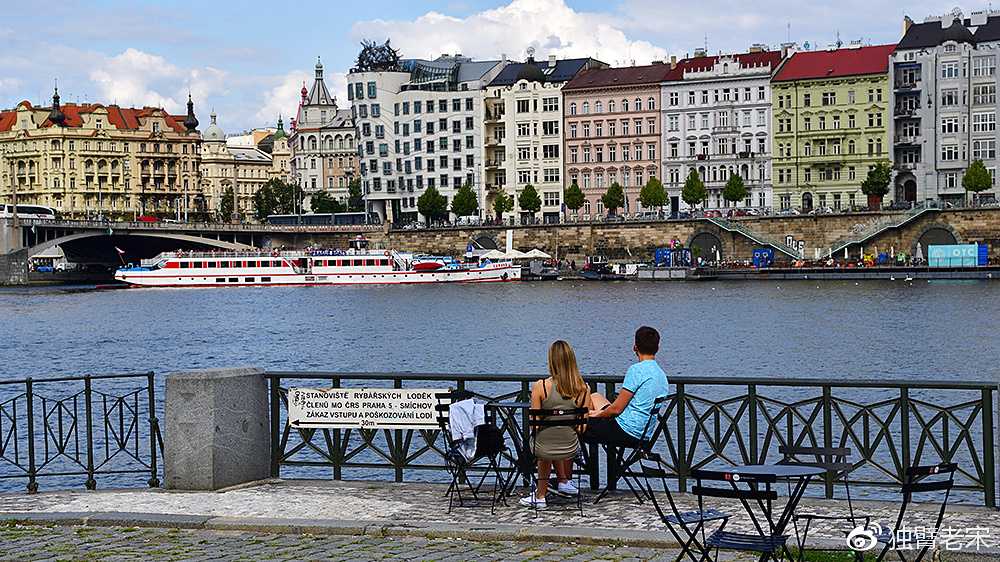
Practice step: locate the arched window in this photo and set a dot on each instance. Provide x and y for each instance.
(611, 106)
(651, 104)
(850, 147)
(586, 108)
(638, 104)
(572, 109)
(625, 105)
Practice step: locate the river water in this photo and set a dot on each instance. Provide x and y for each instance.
(866, 330)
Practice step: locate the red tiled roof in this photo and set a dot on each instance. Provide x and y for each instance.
(628, 76)
(764, 58)
(7, 120)
(842, 62)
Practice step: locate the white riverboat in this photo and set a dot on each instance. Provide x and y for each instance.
(358, 265)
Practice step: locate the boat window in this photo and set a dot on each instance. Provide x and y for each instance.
(248, 279)
(185, 265)
(223, 264)
(369, 262)
(234, 279)
(265, 279)
(276, 263)
(383, 262)
(220, 279)
(196, 264)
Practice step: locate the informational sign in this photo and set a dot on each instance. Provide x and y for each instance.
(763, 257)
(365, 408)
(956, 255)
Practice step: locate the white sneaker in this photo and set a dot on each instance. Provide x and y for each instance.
(567, 489)
(532, 501)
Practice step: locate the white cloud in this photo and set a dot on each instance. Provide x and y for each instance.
(283, 99)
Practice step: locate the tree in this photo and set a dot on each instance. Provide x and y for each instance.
(275, 197)
(734, 191)
(503, 204)
(529, 201)
(226, 205)
(876, 184)
(464, 203)
(652, 194)
(355, 199)
(976, 178)
(614, 198)
(694, 191)
(323, 203)
(432, 204)
(574, 197)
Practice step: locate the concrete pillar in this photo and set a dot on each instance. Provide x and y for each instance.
(216, 431)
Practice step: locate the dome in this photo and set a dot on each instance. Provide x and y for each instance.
(530, 72)
(958, 33)
(214, 132)
(56, 116)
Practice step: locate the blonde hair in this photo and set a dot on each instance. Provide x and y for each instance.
(566, 379)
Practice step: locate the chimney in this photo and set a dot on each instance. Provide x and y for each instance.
(673, 61)
(907, 22)
(552, 61)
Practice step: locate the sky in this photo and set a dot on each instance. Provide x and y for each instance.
(247, 60)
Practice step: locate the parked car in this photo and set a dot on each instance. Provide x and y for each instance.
(612, 218)
(646, 216)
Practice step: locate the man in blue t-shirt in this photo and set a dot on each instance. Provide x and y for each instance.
(623, 421)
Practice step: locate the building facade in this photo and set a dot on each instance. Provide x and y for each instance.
(612, 132)
(322, 143)
(524, 134)
(420, 125)
(717, 120)
(832, 123)
(94, 161)
(941, 60)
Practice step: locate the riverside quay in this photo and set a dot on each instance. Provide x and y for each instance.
(231, 439)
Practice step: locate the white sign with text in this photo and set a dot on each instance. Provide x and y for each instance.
(364, 408)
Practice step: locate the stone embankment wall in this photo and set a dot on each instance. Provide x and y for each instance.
(14, 267)
(637, 241)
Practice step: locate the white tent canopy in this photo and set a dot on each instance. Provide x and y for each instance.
(513, 254)
(536, 253)
(492, 255)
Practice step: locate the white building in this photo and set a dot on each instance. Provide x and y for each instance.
(419, 126)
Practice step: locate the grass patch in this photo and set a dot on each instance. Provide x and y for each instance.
(830, 555)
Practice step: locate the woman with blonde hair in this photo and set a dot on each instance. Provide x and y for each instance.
(557, 446)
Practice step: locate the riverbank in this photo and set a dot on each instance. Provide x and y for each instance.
(887, 273)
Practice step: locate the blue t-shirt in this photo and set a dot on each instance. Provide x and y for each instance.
(647, 382)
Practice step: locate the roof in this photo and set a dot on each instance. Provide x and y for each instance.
(119, 117)
(248, 154)
(805, 65)
(932, 33)
(628, 76)
(564, 71)
(746, 60)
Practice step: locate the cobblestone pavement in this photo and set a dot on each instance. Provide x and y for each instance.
(112, 544)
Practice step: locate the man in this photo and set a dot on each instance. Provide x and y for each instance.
(623, 421)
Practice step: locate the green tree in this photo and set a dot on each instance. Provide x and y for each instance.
(653, 194)
(876, 184)
(323, 203)
(574, 197)
(464, 203)
(976, 178)
(529, 201)
(503, 204)
(226, 205)
(432, 204)
(275, 197)
(614, 199)
(355, 199)
(734, 191)
(694, 191)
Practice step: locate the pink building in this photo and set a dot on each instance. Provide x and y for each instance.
(612, 132)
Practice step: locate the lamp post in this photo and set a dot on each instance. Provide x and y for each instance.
(236, 206)
(13, 197)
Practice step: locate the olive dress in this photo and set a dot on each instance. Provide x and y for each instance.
(557, 443)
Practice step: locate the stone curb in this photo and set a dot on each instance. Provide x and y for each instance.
(474, 532)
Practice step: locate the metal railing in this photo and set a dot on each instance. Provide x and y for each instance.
(58, 428)
(879, 226)
(754, 235)
(889, 425)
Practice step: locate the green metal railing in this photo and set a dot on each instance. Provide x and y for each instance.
(889, 425)
(756, 236)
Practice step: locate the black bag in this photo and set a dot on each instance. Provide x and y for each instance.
(489, 440)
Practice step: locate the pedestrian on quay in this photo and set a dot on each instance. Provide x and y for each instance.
(557, 446)
(623, 421)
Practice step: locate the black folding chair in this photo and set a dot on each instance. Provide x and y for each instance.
(459, 467)
(834, 461)
(623, 457)
(926, 482)
(759, 491)
(540, 419)
(688, 527)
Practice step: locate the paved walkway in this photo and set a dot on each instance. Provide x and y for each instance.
(306, 520)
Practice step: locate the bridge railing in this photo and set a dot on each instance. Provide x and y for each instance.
(889, 426)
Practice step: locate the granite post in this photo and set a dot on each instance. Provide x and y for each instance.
(216, 431)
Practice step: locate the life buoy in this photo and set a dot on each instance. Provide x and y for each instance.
(275, 253)
(387, 252)
(180, 254)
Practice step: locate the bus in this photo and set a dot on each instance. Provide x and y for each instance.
(314, 219)
(28, 212)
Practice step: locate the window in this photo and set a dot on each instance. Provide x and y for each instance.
(984, 95)
(586, 108)
(550, 151)
(572, 109)
(984, 122)
(611, 154)
(598, 129)
(597, 107)
(586, 155)
(984, 66)
(949, 125)
(948, 70)
(829, 98)
(586, 130)
(672, 123)
(674, 98)
(550, 127)
(550, 104)
(523, 106)
(651, 104)
(651, 151)
(611, 128)
(949, 98)
(806, 124)
(949, 152)
(572, 155)
(551, 175)
(761, 117)
(805, 100)
(651, 127)
(822, 122)
(850, 122)
(984, 149)
(836, 121)
(523, 129)
(761, 95)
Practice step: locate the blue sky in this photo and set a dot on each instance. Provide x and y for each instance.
(247, 60)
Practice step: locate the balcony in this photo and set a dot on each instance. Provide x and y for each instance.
(702, 157)
(725, 130)
(493, 164)
(906, 139)
(492, 141)
(905, 111)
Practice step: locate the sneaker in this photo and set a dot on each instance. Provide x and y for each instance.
(531, 501)
(567, 489)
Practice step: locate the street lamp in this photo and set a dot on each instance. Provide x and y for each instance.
(13, 195)
(236, 207)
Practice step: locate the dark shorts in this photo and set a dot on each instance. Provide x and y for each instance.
(607, 431)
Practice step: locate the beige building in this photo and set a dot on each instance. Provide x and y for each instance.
(94, 161)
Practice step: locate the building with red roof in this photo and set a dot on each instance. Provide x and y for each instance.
(832, 122)
(91, 160)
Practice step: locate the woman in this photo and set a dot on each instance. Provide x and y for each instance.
(557, 445)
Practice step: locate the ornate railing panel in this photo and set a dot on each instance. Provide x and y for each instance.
(64, 427)
(888, 425)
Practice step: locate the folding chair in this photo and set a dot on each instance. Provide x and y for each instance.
(759, 492)
(622, 458)
(920, 480)
(835, 464)
(539, 419)
(459, 467)
(691, 523)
